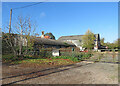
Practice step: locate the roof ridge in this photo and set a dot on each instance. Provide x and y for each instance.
(71, 35)
(74, 35)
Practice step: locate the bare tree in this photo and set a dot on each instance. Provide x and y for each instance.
(22, 34)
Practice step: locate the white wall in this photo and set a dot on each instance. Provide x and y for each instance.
(77, 43)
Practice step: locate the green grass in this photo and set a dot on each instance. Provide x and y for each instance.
(32, 59)
(43, 61)
(74, 59)
(38, 59)
(113, 77)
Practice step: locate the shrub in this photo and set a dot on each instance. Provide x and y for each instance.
(75, 56)
(66, 57)
(11, 58)
(83, 56)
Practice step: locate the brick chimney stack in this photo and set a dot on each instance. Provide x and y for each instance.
(42, 36)
(42, 32)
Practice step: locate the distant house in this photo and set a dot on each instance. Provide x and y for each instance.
(47, 42)
(47, 35)
(77, 40)
(43, 36)
(43, 41)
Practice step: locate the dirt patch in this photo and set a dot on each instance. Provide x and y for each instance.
(80, 73)
(85, 72)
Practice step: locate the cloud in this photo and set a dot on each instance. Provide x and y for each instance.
(42, 14)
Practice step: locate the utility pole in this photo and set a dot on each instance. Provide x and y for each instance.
(10, 20)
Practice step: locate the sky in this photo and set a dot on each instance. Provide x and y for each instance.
(68, 18)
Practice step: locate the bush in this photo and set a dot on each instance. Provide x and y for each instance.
(75, 56)
(11, 58)
(66, 57)
(83, 56)
(7, 57)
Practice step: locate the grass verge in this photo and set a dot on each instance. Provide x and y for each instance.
(45, 61)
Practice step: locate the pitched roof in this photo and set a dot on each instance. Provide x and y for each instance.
(73, 37)
(51, 42)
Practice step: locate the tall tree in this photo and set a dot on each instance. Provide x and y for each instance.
(88, 40)
(21, 35)
(118, 43)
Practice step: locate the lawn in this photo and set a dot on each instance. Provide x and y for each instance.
(58, 60)
(44, 61)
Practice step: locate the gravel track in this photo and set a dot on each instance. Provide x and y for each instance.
(85, 72)
(80, 73)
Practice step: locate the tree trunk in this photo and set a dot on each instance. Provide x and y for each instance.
(21, 39)
(15, 53)
(20, 45)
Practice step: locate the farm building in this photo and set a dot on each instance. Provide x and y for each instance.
(77, 40)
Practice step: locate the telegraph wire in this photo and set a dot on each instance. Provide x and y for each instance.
(19, 8)
(27, 6)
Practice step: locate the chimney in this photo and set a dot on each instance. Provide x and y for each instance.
(42, 36)
(42, 32)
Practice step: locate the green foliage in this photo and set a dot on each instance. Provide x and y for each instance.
(102, 41)
(51, 35)
(43, 53)
(44, 61)
(110, 45)
(76, 57)
(114, 45)
(7, 57)
(84, 56)
(117, 43)
(88, 40)
(30, 42)
(12, 58)
(6, 49)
